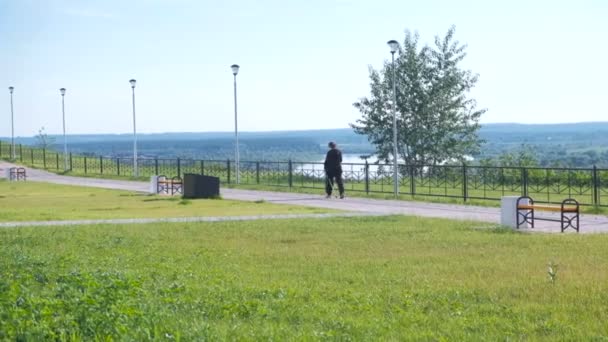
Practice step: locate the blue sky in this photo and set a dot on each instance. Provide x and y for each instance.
(303, 63)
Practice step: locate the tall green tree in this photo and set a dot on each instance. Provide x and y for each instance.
(437, 120)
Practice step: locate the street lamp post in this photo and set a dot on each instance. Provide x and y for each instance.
(135, 169)
(65, 141)
(235, 71)
(394, 45)
(10, 89)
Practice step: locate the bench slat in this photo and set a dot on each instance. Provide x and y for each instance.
(568, 209)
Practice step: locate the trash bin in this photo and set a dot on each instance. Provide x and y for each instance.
(199, 186)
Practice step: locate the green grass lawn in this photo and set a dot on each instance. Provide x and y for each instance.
(35, 201)
(390, 278)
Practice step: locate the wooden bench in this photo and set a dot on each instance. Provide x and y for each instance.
(569, 212)
(169, 186)
(17, 173)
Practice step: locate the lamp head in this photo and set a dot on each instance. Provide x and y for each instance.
(235, 69)
(394, 45)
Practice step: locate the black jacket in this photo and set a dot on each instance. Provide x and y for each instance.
(333, 161)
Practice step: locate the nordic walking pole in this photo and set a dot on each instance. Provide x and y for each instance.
(331, 184)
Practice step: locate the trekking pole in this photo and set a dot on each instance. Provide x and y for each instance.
(331, 184)
(328, 182)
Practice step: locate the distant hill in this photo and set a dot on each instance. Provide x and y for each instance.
(255, 145)
(340, 134)
(575, 136)
(346, 134)
(552, 140)
(560, 127)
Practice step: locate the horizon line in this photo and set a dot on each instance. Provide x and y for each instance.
(297, 130)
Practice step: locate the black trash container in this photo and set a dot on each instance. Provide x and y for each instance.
(199, 186)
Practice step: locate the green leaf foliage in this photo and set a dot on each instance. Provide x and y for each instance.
(437, 120)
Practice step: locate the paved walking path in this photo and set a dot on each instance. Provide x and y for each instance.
(589, 223)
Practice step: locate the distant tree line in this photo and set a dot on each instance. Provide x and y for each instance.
(547, 156)
(220, 149)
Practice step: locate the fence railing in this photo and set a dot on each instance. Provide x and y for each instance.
(588, 185)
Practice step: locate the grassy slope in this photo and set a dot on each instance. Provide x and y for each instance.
(359, 279)
(34, 201)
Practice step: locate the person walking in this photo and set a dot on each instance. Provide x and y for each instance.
(333, 169)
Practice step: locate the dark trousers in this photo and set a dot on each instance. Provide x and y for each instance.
(330, 182)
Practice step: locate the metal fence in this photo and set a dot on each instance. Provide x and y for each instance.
(551, 185)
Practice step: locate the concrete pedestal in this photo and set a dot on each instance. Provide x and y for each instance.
(508, 211)
(154, 184)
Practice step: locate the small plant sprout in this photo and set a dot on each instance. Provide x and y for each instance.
(552, 271)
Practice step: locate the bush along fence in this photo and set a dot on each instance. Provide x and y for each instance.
(550, 185)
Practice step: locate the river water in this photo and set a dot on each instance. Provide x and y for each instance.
(350, 162)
